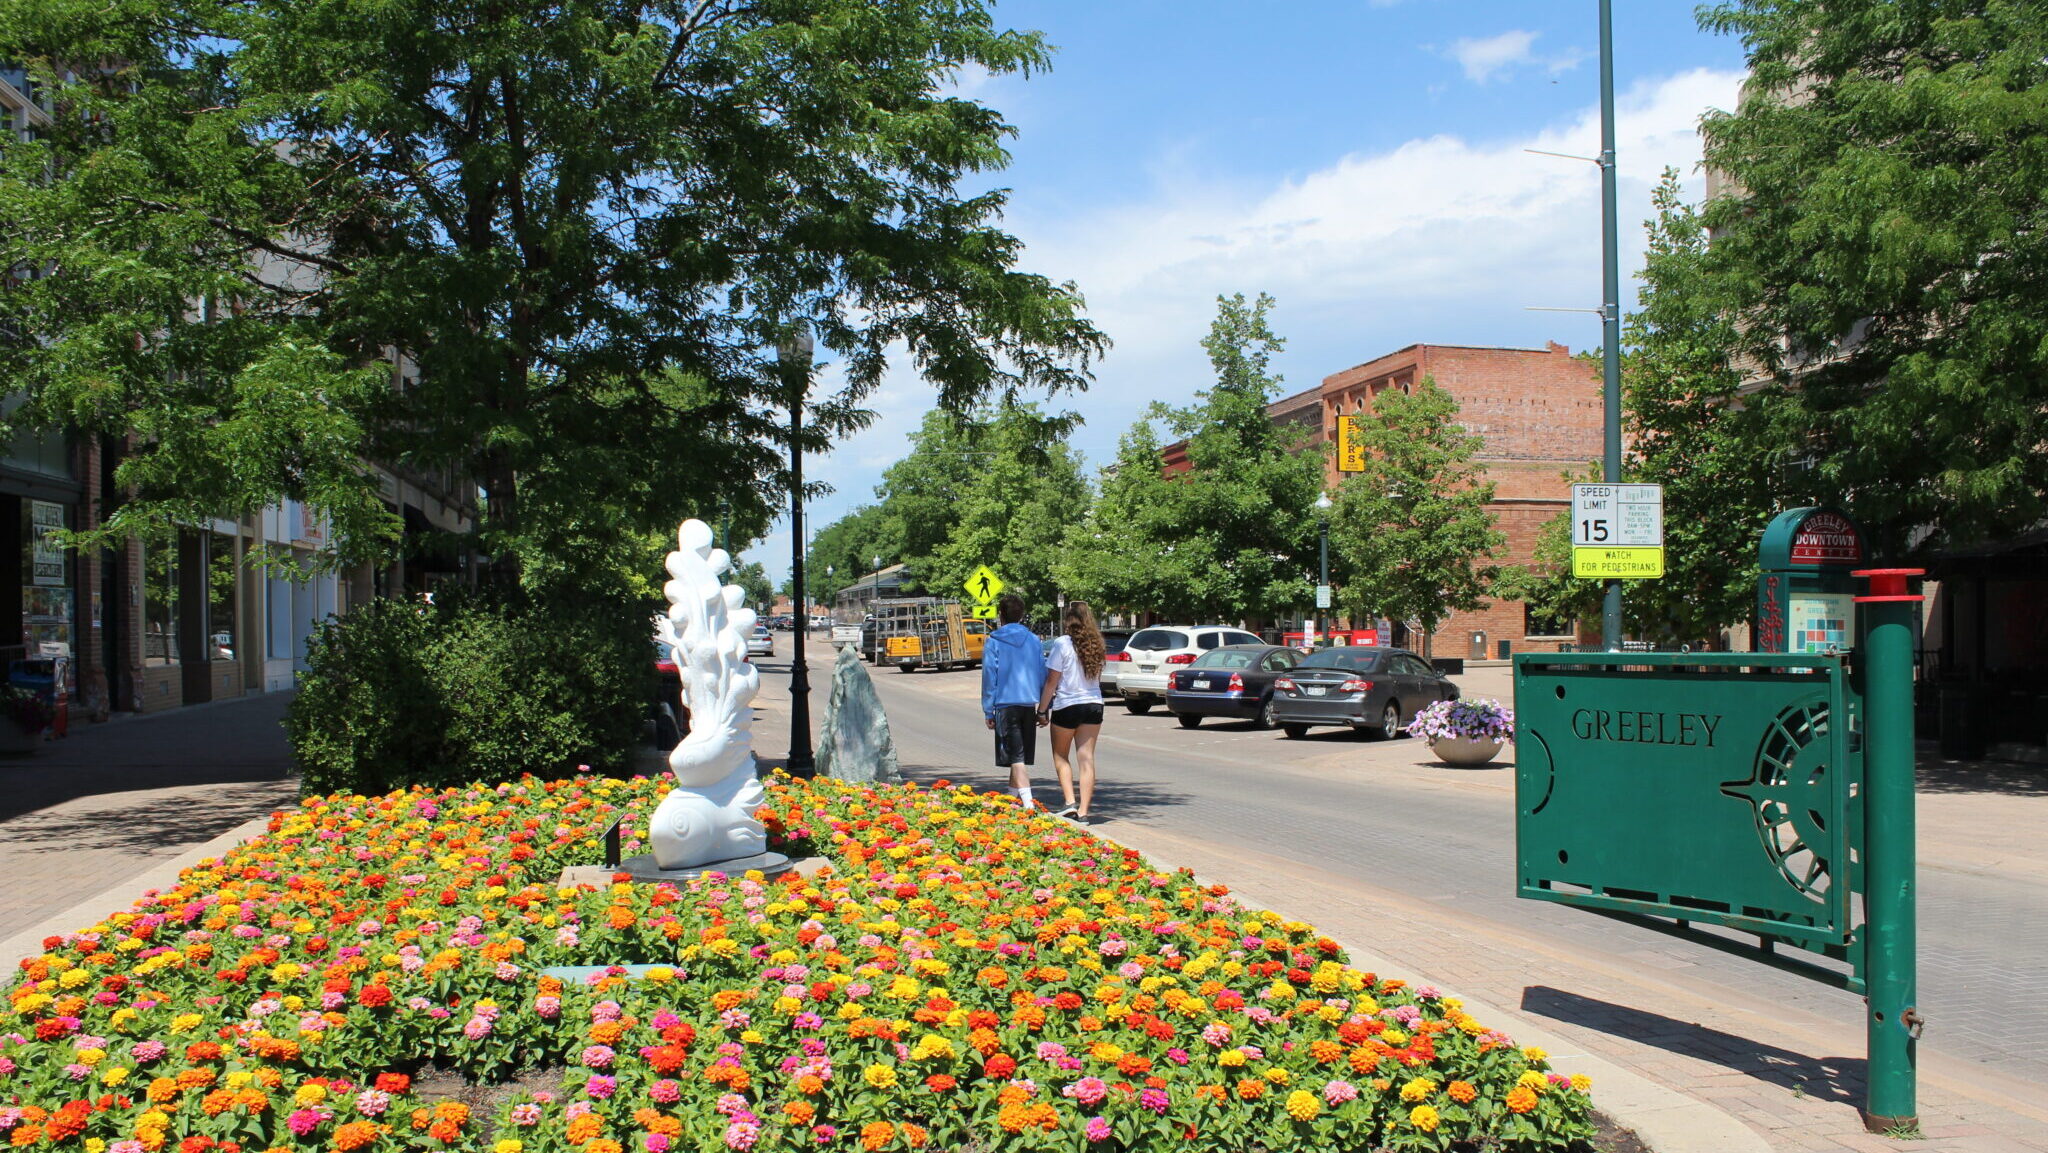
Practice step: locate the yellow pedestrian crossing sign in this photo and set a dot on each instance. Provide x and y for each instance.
(984, 585)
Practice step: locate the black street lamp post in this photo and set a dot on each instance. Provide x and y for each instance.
(1323, 505)
(794, 358)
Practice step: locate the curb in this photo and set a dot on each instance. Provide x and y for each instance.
(119, 897)
(1666, 1120)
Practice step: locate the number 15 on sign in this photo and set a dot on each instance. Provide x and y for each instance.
(1617, 515)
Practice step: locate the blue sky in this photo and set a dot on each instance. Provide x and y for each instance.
(1361, 160)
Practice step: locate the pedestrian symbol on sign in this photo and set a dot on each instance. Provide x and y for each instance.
(984, 585)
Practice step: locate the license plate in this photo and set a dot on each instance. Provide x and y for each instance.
(1316, 690)
(1201, 684)
(1146, 668)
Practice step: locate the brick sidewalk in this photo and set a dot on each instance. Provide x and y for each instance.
(88, 812)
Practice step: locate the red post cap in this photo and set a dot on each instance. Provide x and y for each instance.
(1889, 584)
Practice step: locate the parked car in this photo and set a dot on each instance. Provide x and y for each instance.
(1113, 658)
(1234, 682)
(670, 720)
(1152, 655)
(760, 642)
(1374, 690)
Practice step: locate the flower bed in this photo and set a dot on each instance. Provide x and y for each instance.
(964, 975)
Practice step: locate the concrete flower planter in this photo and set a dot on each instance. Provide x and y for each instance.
(1465, 750)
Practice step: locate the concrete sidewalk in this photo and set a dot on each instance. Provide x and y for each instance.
(88, 814)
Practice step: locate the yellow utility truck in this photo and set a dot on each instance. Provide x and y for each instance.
(920, 631)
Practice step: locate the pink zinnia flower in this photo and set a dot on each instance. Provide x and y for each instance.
(1154, 1099)
(1088, 1090)
(598, 1056)
(526, 1113)
(1097, 1129)
(741, 1135)
(1338, 1092)
(665, 1091)
(304, 1121)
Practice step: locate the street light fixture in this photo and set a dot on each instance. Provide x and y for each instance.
(793, 358)
(1323, 506)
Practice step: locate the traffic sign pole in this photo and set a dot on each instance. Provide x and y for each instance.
(1610, 326)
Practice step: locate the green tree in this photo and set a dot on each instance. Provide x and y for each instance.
(1233, 538)
(550, 246)
(847, 547)
(921, 494)
(1412, 529)
(1026, 492)
(754, 579)
(1880, 250)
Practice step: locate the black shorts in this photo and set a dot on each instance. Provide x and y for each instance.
(1074, 716)
(1016, 735)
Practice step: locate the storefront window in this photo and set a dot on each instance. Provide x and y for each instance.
(160, 604)
(48, 607)
(220, 596)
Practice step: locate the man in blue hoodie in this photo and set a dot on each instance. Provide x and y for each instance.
(1012, 676)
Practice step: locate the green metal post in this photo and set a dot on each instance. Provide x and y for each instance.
(1890, 935)
(1610, 307)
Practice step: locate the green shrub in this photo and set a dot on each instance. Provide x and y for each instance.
(470, 688)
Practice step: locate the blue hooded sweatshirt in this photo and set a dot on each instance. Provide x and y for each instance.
(1012, 669)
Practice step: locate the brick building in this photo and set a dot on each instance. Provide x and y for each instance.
(1538, 411)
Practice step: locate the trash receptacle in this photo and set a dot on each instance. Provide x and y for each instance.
(44, 676)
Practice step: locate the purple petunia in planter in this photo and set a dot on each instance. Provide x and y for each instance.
(1465, 732)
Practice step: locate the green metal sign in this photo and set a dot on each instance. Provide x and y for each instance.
(1712, 788)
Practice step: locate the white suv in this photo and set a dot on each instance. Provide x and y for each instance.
(1152, 654)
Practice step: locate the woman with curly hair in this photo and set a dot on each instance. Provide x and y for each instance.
(1072, 702)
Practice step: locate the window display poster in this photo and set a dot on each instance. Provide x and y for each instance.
(46, 619)
(46, 519)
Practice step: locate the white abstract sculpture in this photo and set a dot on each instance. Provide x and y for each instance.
(708, 817)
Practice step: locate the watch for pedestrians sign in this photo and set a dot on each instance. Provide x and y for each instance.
(1618, 531)
(984, 585)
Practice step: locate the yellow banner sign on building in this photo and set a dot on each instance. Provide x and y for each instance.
(1350, 450)
(1618, 563)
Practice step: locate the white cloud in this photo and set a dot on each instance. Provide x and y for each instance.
(1482, 58)
(1443, 239)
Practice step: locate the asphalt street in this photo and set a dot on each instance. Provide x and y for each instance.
(1441, 839)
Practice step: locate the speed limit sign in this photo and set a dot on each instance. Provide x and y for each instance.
(1618, 530)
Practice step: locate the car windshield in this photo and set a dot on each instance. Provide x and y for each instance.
(1350, 660)
(760, 630)
(1156, 640)
(1227, 659)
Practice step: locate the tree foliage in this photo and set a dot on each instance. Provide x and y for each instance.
(1882, 252)
(552, 247)
(1232, 538)
(1412, 530)
(1026, 492)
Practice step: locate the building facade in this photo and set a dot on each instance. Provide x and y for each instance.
(1538, 413)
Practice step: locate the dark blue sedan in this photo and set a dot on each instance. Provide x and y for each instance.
(1234, 682)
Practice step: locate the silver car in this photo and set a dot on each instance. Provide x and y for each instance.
(761, 642)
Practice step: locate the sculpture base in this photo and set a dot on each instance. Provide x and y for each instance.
(644, 871)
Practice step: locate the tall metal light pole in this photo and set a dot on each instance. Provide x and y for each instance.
(1610, 306)
(1323, 506)
(793, 357)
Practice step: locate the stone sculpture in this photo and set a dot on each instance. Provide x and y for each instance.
(707, 820)
(854, 743)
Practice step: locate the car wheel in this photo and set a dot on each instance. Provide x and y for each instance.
(1188, 720)
(1138, 707)
(1294, 732)
(1267, 719)
(905, 668)
(1390, 721)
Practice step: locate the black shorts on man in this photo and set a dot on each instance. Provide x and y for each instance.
(1016, 735)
